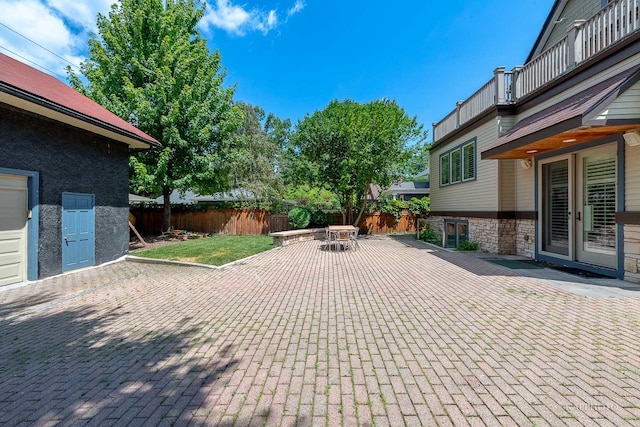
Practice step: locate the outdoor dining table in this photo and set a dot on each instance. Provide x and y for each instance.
(334, 231)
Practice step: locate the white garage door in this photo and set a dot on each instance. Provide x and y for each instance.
(13, 229)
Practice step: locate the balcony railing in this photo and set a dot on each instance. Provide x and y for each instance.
(584, 39)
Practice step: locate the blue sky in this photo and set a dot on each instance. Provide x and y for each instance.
(292, 57)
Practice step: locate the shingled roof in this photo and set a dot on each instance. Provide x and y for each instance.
(32, 90)
(574, 114)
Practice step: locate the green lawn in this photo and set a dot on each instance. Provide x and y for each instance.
(216, 250)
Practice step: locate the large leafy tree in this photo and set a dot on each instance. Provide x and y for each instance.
(151, 67)
(355, 145)
(255, 154)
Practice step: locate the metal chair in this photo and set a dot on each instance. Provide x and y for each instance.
(339, 239)
(353, 237)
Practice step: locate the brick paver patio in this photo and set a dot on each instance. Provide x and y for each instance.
(393, 334)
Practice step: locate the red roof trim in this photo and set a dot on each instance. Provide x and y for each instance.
(33, 85)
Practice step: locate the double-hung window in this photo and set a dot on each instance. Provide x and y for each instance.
(458, 164)
(444, 169)
(469, 161)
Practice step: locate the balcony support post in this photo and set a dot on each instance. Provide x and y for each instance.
(516, 83)
(500, 96)
(575, 43)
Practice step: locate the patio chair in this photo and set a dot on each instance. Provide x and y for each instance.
(342, 238)
(353, 237)
(328, 238)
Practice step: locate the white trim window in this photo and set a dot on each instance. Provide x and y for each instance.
(469, 161)
(458, 164)
(444, 169)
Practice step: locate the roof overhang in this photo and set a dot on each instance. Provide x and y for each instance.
(572, 121)
(26, 101)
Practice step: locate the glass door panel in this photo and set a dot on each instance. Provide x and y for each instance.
(596, 227)
(555, 207)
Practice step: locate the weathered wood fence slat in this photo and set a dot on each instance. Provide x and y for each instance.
(255, 221)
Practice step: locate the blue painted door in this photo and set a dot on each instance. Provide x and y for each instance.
(78, 231)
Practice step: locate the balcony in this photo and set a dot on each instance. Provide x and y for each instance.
(585, 39)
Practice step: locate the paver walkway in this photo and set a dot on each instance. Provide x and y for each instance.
(393, 334)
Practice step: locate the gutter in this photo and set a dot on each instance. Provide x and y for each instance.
(29, 97)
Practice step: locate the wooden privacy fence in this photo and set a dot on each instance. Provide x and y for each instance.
(255, 221)
(381, 223)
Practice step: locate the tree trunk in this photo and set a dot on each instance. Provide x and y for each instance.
(349, 208)
(362, 206)
(166, 193)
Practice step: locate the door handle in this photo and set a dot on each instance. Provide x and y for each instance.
(578, 217)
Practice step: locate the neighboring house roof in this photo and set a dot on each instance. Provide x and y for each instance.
(234, 195)
(423, 173)
(189, 197)
(570, 121)
(134, 198)
(374, 192)
(409, 188)
(32, 90)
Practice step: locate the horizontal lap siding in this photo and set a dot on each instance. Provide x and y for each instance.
(477, 195)
(573, 11)
(525, 188)
(609, 72)
(627, 106)
(507, 185)
(632, 179)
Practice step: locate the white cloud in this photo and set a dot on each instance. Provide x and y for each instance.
(297, 7)
(272, 19)
(237, 19)
(63, 27)
(37, 22)
(228, 17)
(83, 13)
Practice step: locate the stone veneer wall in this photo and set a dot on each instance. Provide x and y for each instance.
(497, 236)
(632, 253)
(526, 237)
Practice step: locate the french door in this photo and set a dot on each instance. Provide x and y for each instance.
(578, 205)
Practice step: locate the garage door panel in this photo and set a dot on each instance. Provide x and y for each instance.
(9, 273)
(12, 209)
(13, 229)
(10, 245)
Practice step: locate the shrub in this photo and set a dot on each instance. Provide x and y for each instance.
(431, 235)
(319, 218)
(392, 207)
(467, 246)
(312, 197)
(388, 205)
(419, 207)
(299, 218)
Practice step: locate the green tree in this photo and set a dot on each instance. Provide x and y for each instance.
(255, 154)
(151, 67)
(417, 162)
(354, 145)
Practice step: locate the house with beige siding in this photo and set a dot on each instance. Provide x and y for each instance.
(544, 159)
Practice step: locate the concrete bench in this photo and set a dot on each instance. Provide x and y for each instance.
(284, 238)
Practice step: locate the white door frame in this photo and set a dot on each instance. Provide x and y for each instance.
(592, 257)
(575, 180)
(571, 178)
